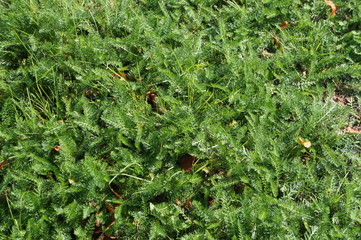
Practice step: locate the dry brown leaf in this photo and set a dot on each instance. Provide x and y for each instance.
(211, 201)
(110, 208)
(57, 148)
(341, 100)
(187, 205)
(333, 7)
(98, 226)
(120, 75)
(89, 93)
(305, 144)
(151, 97)
(284, 24)
(2, 164)
(186, 162)
(115, 193)
(350, 130)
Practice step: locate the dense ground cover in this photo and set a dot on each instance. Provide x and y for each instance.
(180, 119)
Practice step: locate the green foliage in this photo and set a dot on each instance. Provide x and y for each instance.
(85, 151)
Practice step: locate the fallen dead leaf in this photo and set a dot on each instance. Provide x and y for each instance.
(187, 205)
(341, 100)
(88, 93)
(333, 7)
(186, 162)
(110, 208)
(115, 193)
(2, 164)
(305, 144)
(350, 130)
(284, 24)
(57, 148)
(211, 201)
(120, 75)
(151, 97)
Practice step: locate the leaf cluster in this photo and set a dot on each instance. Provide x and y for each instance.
(87, 155)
